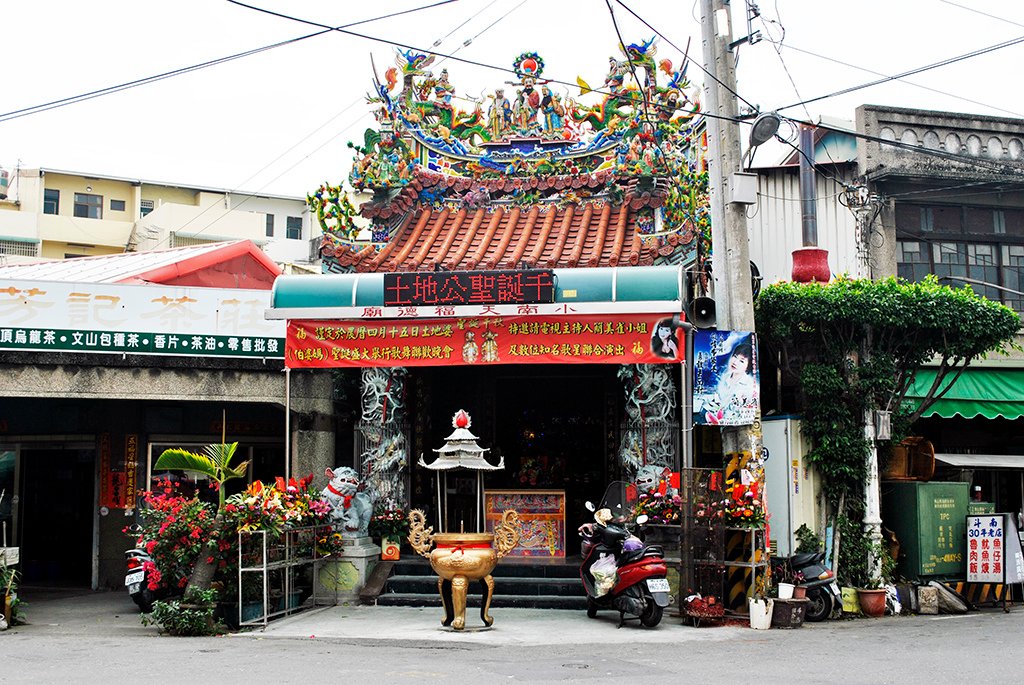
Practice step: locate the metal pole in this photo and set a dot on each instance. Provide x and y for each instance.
(808, 191)
(287, 423)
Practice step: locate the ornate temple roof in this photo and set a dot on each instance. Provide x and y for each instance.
(546, 182)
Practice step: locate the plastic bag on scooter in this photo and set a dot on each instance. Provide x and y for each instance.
(605, 575)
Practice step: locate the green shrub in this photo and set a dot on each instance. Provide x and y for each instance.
(176, 617)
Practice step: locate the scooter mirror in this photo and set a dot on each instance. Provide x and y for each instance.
(641, 519)
(590, 506)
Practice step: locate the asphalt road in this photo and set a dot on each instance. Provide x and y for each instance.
(97, 638)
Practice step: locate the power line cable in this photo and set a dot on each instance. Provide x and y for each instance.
(437, 43)
(632, 67)
(463, 60)
(790, 46)
(469, 41)
(977, 11)
(82, 97)
(910, 72)
(343, 130)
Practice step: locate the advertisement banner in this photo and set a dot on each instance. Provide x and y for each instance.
(726, 378)
(113, 318)
(582, 339)
(987, 548)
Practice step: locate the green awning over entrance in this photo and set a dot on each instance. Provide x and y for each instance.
(987, 392)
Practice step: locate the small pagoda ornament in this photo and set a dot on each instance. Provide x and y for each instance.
(460, 557)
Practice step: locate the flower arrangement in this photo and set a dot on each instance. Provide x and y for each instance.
(328, 542)
(389, 521)
(660, 509)
(743, 507)
(278, 506)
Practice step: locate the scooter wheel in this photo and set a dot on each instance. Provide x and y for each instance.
(820, 606)
(144, 600)
(591, 608)
(652, 614)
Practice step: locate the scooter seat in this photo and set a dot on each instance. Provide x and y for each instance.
(799, 561)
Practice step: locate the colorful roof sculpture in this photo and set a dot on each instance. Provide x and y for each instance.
(534, 178)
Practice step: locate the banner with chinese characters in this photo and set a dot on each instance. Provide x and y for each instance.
(726, 379)
(137, 319)
(994, 552)
(583, 339)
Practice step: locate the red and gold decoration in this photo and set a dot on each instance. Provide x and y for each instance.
(584, 339)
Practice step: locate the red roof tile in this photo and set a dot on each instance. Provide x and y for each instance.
(592, 234)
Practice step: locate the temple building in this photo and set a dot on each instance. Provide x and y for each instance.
(528, 259)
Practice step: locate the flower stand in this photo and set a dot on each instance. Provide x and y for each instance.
(390, 548)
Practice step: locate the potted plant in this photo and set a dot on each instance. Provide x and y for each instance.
(761, 604)
(9, 595)
(389, 523)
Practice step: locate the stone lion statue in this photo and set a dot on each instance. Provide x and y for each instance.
(351, 509)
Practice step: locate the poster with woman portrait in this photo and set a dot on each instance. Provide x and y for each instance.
(726, 383)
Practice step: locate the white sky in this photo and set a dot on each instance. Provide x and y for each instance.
(278, 121)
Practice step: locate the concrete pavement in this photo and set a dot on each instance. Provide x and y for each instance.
(73, 612)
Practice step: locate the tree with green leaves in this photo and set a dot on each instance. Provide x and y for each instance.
(855, 346)
(214, 462)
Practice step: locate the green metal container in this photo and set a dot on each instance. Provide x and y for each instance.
(929, 520)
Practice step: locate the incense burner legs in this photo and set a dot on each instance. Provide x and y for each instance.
(459, 558)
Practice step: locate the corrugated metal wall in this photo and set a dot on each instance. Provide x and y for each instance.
(775, 222)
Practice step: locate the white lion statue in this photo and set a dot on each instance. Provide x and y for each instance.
(351, 509)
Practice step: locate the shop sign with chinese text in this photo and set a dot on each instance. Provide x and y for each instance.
(454, 288)
(137, 319)
(994, 549)
(582, 339)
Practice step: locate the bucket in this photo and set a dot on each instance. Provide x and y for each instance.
(761, 613)
(785, 590)
(851, 603)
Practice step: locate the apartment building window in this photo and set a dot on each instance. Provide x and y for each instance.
(294, 229)
(51, 201)
(117, 205)
(977, 246)
(88, 206)
(270, 225)
(146, 206)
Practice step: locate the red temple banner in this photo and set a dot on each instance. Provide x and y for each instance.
(583, 339)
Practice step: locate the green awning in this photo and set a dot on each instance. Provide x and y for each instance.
(987, 392)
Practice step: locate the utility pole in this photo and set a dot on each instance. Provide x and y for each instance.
(734, 302)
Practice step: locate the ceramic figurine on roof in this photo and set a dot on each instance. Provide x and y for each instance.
(528, 174)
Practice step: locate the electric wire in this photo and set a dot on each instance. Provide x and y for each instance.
(632, 67)
(790, 46)
(437, 43)
(469, 41)
(985, 14)
(463, 60)
(247, 196)
(82, 97)
(910, 72)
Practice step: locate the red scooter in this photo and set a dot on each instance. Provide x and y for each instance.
(619, 571)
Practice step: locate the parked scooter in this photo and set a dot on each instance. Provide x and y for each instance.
(822, 588)
(619, 571)
(136, 579)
